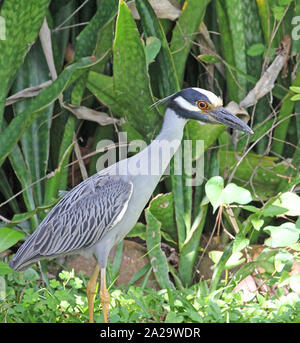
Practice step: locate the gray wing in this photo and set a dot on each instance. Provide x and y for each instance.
(79, 220)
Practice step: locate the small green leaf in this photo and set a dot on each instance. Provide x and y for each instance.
(256, 49)
(5, 269)
(295, 89)
(213, 189)
(295, 97)
(230, 194)
(233, 193)
(240, 243)
(282, 236)
(209, 59)
(54, 283)
(257, 223)
(9, 237)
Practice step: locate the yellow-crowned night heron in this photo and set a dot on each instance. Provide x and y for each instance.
(99, 212)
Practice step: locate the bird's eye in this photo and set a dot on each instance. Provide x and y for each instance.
(202, 105)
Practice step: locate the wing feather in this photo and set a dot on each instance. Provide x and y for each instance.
(78, 221)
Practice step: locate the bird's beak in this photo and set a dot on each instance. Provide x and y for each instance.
(222, 116)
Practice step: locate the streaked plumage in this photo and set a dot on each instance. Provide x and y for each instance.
(95, 205)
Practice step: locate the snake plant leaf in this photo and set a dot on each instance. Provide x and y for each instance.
(22, 25)
(228, 51)
(86, 44)
(59, 180)
(164, 73)
(23, 174)
(47, 96)
(102, 87)
(186, 28)
(36, 139)
(157, 257)
(7, 191)
(189, 250)
(162, 209)
(286, 110)
(9, 237)
(221, 259)
(131, 80)
(87, 39)
(21, 170)
(164, 67)
(235, 13)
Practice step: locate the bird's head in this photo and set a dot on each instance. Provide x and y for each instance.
(204, 106)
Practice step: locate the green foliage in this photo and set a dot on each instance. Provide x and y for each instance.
(130, 68)
(134, 63)
(66, 303)
(218, 195)
(8, 237)
(22, 25)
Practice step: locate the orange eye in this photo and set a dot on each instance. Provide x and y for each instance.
(202, 105)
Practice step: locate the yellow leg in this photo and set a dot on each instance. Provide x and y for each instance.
(104, 296)
(91, 290)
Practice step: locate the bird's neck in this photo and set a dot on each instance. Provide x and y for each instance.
(172, 129)
(164, 146)
(155, 158)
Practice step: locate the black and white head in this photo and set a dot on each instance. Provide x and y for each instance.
(203, 106)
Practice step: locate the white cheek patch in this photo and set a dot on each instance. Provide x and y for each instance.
(185, 104)
(216, 101)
